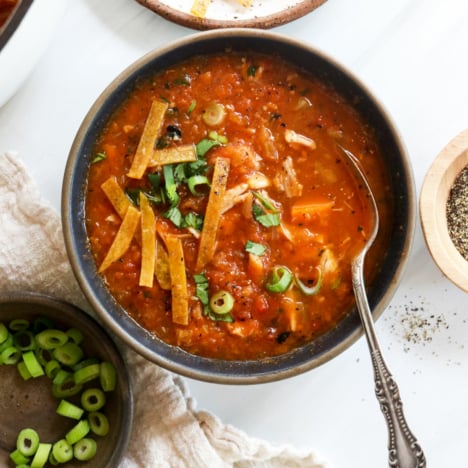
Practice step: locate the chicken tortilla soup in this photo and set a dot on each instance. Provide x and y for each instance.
(220, 209)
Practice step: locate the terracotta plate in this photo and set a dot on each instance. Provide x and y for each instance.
(262, 14)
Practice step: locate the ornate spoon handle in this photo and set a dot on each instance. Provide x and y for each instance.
(404, 450)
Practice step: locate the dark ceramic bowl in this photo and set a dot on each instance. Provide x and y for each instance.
(255, 371)
(30, 403)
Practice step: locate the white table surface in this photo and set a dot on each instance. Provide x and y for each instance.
(413, 55)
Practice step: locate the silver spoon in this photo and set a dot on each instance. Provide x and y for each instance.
(404, 450)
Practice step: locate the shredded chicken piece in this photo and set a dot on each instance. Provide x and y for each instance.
(258, 180)
(286, 180)
(233, 196)
(294, 138)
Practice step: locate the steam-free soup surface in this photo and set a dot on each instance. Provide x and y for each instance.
(285, 216)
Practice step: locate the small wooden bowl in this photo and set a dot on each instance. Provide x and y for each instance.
(432, 207)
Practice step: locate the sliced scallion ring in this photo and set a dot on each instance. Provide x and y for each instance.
(69, 354)
(93, 399)
(50, 339)
(18, 324)
(310, 290)
(98, 423)
(32, 364)
(85, 449)
(27, 442)
(279, 279)
(62, 451)
(3, 332)
(221, 302)
(87, 373)
(41, 456)
(107, 376)
(77, 432)
(10, 355)
(69, 410)
(194, 181)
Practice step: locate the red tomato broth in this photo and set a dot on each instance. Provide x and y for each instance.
(261, 96)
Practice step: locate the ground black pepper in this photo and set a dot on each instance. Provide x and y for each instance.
(457, 213)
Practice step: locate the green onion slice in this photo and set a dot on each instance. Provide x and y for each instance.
(77, 432)
(87, 373)
(279, 279)
(23, 370)
(93, 399)
(52, 368)
(69, 410)
(10, 355)
(196, 180)
(108, 376)
(3, 332)
(41, 456)
(27, 442)
(62, 451)
(310, 290)
(69, 354)
(221, 302)
(50, 339)
(32, 364)
(85, 449)
(98, 423)
(19, 324)
(66, 389)
(18, 458)
(75, 335)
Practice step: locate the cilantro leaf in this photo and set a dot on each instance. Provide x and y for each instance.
(255, 248)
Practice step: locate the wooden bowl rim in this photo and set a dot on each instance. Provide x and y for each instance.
(432, 207)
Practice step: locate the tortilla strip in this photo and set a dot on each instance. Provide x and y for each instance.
(213, 211)
(200, 7)
(148, 139)
(174, 155)
(178, 280)
(123, 238)
(148, 242)
(116, 196)
(161, 267)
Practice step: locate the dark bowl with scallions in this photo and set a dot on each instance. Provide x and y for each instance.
(45, 344)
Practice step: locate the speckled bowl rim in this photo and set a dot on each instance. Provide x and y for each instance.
(262, 22)
(174, 358)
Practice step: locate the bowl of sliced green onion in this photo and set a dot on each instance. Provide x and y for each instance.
(66, 397)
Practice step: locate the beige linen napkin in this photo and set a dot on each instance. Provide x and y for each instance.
(168, 430)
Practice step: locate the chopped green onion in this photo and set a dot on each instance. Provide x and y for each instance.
(87, 373)
(216, 136)
(85, 449)
(66, 389)
(191, 107)
(24, 340)
(23, 370)
(27, 442)
(214, 114)
(170, 185)
(279, 279)
(69, 354)
(43, 355)
(77, 432)
(18, 458)
(50, 339)
(7, 343)
(52, 368)
(93, 399)
(310, 290)
(69, 410)
(203, 146)
(98, 157)
(195, 180)
(222, 302)
(75, 335)
(42, 323)
(255, 248)
(86, 362)
(98, 423)
(41, 456)
(108, 376)
(11, 355)
(19, 324)
(32, 364)
(62, 451)
(3, 332)
(61, 376)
